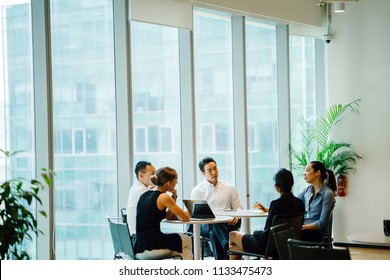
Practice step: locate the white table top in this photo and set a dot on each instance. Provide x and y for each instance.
(376, 238)
(218, 219)
(247, 213)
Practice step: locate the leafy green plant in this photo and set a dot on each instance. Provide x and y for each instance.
(17, 219)
(315, 141)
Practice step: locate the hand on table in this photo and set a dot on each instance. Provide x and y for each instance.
(260, 206)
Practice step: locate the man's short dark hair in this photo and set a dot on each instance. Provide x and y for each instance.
(141, 166)
(205, 161)
(284, 179)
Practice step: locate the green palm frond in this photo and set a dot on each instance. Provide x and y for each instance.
(334, 115)
(314, 141)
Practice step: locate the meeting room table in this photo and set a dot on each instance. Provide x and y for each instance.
(245, 214)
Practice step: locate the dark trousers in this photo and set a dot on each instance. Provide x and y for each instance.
(219, 237)
(311, 235)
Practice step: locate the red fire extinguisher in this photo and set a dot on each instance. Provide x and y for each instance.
(341, 180)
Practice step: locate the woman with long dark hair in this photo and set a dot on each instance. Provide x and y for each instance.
(319, 200)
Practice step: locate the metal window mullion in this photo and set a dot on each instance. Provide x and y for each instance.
(187, 112)
(240, 109)
(124, 125)
(43, 120)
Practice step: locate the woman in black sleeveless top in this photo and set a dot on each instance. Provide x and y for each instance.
(156, 205)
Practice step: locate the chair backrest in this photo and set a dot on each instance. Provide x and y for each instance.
(327, 235)
(121, 237)
(124, 215)
(305, 250)
(294, 220)
(271, 250)
(281, 238)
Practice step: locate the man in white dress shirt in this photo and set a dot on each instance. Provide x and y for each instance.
(143, 170)
(220, 195)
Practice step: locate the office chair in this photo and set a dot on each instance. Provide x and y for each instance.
(327, 235)
(124, 215)
(294, 221)
(307, 250)
(121, 239)
(124, 247)
(281, 237)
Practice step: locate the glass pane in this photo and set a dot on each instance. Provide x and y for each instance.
(156, 98)
(263, 146)
(84, 122)
(302, 86)
(213, 91)
(16, 95)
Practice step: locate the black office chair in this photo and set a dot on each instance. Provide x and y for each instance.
(124, 246)
(281, 237)
(307, 250)
(294, 221)
(327, 235)
(124, 215)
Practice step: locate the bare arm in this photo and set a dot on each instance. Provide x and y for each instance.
(173, 210)
(312, 226)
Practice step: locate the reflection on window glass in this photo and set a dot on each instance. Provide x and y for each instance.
(213, 90)
(84, 118)
(302, 86)
(156, 98)
(263, 151)
(16, 95)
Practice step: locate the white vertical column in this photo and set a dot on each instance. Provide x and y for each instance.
(240, 110)
(240, 115)
(123, 100)
(283, 65)
(187, 105)
(43, 117)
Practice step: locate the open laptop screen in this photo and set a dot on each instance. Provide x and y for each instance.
(199, 209)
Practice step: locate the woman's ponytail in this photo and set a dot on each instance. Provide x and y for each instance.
(331, 180)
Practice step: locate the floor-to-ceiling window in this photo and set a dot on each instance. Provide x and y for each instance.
(83, 127)
(213, 90)
(156, 98)
(262, 109)
(17, 97)
(303, 88)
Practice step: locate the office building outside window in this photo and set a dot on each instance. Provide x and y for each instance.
(303, 90)
(262, 110)
(213, 90)
(84, 116)
(17, 96)
(156, 99)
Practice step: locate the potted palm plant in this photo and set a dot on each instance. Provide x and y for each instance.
(17, 218)
(315, 142)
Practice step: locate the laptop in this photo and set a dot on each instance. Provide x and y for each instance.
(199, 209)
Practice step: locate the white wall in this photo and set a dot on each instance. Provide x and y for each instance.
(359, 67)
